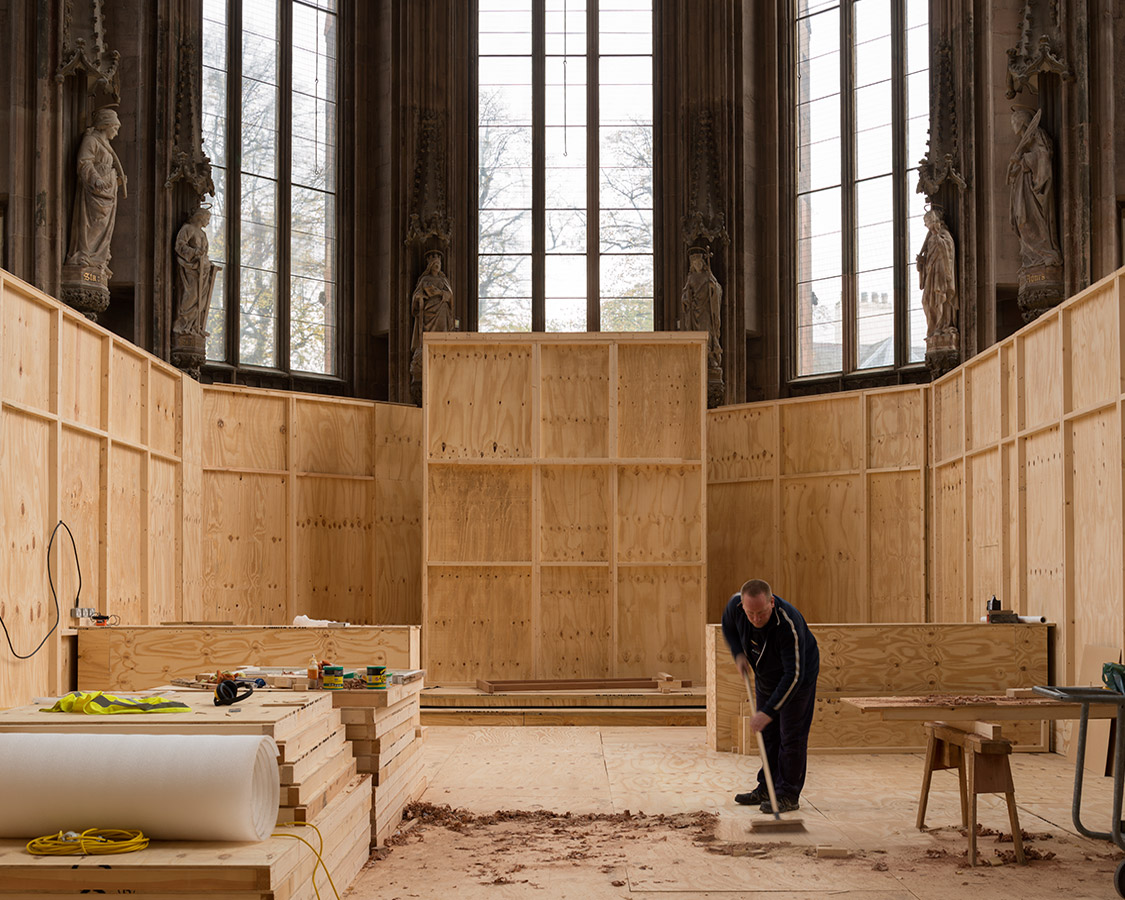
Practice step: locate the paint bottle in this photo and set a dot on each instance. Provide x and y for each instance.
(313, 673)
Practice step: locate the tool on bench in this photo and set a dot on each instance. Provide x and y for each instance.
(774, 822)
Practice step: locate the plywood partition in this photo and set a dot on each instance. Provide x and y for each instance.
(1026, 498)
(90, 434)
(825, 498)
(565, 505)
(310, 506)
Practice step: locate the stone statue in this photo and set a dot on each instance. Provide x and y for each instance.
(197, 276)
(86, 270)
(937, 276)
(700, 305)
(432, 307)
(1031, 175)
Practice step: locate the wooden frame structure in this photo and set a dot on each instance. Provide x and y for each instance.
(564, 510)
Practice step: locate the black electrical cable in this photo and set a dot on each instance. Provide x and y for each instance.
(54, 594)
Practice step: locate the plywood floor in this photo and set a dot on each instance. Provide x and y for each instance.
(865, 803)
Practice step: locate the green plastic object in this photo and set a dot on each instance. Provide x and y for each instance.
(1113, 677)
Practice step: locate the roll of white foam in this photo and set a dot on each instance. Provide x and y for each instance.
(172, 787)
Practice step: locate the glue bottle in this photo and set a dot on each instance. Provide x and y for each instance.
(313, 673)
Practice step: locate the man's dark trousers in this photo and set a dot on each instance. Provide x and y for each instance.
(787, 741)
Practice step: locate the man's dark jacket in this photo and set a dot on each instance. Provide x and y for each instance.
(783, 653)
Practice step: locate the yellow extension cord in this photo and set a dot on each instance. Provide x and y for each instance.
(100, 841)
(91, 842)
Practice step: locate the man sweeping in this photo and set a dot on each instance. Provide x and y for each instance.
(770, 636)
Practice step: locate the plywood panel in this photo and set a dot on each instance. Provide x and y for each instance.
(398, 442)
(479, 401)
(741, 540)
(741, 442)
(822, 549)
(575, 622)
(141, 658)
(659, 622)
(986, 546)
(659, 401)
(244, 430)
(83, 377)
(333, 436)
(333, 555)
(659, 514)
(191, 500)
(574, 390)
(575, 504)
(81, 506)
(244, 550)
(950, 542)
(1010, 372)
(163, 392)
(1042, 374)
(822, 435)
(479, 514)
(1013, 598)
(398, 552)
(1046, 592)
(1094, 348)
(478, 624)
(127, 563)
(1096, 473)
(982, 380)
(896, 529)
(949, 431)
(896, 429)
(127, 395)
(163, 509)
(25, 527)
(26, 357)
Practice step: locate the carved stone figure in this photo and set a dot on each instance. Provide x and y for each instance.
(937, 276)
(432, 307)
(86, 270)
(1031, 175)
(700, 304)
(197, 276)
(1033, 204)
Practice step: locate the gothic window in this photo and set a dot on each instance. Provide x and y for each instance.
(862, 103)
(564, 164)
(270, 128)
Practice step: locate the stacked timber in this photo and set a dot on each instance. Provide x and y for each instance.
(319, 785)
(385, 733)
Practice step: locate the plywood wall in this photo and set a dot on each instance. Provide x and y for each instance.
(90, 434)
(1026, 500)
(309, 506)
(565, 506)
(825, 498)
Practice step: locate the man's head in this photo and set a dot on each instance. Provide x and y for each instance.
(757, 602)
(1021, 118)
(106, 120)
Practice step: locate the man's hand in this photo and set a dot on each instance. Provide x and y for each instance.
(759, 721)
(743, 665)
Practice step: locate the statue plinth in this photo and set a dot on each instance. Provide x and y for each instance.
(943, 352)
(1041, 289)
(86, 289)
(716, 387)
(189, 352)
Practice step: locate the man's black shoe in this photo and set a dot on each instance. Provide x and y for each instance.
(784, 804)
(755, 796)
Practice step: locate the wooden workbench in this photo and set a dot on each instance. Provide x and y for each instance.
(972, 708)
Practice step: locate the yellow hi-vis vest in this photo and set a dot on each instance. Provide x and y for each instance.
(97, 703)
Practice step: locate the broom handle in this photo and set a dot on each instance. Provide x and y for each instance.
(761, 748)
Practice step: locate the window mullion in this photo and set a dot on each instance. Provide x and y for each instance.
(234, 181)
(284, 167)
(538, 166)
(849, 312)
(593, 179)
(899, 167)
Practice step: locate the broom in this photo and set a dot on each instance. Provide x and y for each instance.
(774, 822)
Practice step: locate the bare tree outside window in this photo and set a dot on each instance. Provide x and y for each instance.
(564, 145)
